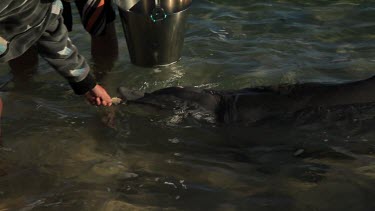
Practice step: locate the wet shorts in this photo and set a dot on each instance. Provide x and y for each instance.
(95, 15)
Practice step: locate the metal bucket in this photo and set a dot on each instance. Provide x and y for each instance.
(154, 29)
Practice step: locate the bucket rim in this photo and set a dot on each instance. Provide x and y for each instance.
(169, 14)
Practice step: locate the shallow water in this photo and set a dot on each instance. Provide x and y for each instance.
(59, 154)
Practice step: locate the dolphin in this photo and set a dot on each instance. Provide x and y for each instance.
(253, 104)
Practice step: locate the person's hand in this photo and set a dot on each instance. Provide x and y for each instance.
(98, 96)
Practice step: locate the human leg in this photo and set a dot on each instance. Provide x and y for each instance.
(24, 66)
(104, 51)
(98, 17)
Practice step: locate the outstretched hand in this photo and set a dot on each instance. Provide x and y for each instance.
(98, 96)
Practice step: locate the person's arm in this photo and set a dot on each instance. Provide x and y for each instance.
(57, 49)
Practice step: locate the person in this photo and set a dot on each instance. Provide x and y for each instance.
(37, 25)
(98, 19)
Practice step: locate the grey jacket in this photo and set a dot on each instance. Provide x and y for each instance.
(24, 23)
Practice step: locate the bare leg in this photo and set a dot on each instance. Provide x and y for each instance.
(104, 51)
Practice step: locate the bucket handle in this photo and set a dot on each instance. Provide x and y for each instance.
(158, 13)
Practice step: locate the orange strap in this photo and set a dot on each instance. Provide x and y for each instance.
(95, 16)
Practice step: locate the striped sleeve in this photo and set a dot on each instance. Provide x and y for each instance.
(95, 15)
(56, 48)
